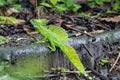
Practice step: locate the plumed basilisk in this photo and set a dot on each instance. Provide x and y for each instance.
(57, 37)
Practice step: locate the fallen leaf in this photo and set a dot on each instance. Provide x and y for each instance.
(10, 20)
(111, 19)
(29, 30)
(98, 31)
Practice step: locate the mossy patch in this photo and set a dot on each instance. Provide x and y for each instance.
(28, 66)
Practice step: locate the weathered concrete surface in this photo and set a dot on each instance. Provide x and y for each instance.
(90, 50)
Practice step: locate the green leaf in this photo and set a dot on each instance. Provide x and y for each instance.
(68, 3)
(2, 2)
(17, 7)
(2, 38)
(54, 2)
(46, 5)
(60, 8)
(85, 14)
(104, 61)
(10, 20)
(110, 11)
(119, 47)
(99, 2)
(106, 0)
(76, 7)
(116, 6)
(11, 1)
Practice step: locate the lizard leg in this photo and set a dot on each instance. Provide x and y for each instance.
(52, 46)
(41, 40)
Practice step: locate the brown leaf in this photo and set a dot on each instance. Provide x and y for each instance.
(98, 31)
(29, 30)
(111, 19)
(33, 3)
(11, 11)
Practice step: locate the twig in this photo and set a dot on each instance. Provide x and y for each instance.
(102, 77)
(75, 72)
(88, 50)
(115, 62)
(45, 75)
(55, 75)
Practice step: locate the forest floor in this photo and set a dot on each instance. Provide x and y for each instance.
(92, 20)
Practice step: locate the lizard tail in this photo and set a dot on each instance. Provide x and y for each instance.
(74, 58)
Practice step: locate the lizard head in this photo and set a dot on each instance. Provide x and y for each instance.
(39, 21)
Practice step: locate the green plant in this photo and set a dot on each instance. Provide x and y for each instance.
(116, 5)
(85, 14)
(3, 65)
(13, 3)
(103, 61)
(98, 2)
(2, 3)
(110, 11)
(10, 20)
(4, 74)
(17, 7)
(3, 39)
(61, 5)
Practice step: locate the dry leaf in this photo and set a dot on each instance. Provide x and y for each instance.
(98, 31)
(29, 30)
(114, 19)
(10, 20)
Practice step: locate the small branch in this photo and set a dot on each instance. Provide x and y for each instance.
(102, 77)
(115, 62)
(88, 50)
(75, 72)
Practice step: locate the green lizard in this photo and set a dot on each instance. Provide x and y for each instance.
(57, 37)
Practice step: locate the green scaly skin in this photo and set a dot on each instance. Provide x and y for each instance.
(56, 42)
